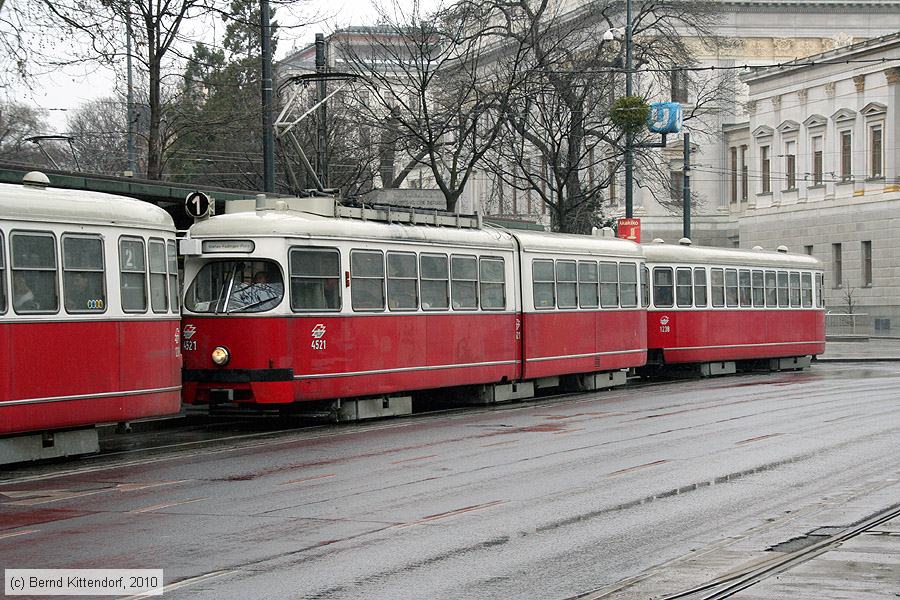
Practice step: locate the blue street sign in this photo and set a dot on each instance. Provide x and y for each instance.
(665, 117)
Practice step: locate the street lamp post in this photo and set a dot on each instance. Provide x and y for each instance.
(129, 94)
(268, 140)
(629, 156)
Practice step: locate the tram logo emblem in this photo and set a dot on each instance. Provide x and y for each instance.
(318, 331)
(664, 324)
(189, 331)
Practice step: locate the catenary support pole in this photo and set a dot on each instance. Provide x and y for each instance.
(686, 206)
(265, 27)
(322, 125)
(129, 94)
(629, 138)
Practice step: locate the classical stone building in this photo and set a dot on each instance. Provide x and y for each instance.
(816, 166)
(753, 33)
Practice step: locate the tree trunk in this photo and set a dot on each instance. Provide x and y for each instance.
(154, 151)
(388, 152)
(573, 158)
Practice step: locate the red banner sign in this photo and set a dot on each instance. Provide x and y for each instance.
(629, 229)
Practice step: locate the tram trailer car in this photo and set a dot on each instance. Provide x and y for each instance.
(284, 306)
(715, 307)
(89, 317)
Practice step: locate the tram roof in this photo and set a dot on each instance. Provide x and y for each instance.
(542, 241)
(292, 223)
(297, 224)
(670, 253)
(55, 205)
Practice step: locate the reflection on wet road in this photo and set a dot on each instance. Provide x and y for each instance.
(623, 492)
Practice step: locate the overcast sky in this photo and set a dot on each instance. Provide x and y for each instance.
(66, 89)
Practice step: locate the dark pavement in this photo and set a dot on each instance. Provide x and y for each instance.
(630, 493)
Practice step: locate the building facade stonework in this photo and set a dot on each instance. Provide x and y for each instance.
(821, 173)
(749, 33)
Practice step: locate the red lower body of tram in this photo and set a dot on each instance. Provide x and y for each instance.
(699, 336)
(290, 359)
(560, 343)
(59, 374)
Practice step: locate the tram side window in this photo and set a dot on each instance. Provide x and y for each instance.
(174, 289)
(663, 294)
(731, 288)
(463, 282)
(771, 290)
(158, 285)
(133, 272)
(543, 282)
(493, 283)
(744, 287)
(684, 288)
(2, 279)
(588, 284)
(628, 285)
(783, 289)
(315, 279)
(820, 290)
(435, 273)
(84, 279)
(795, 290)
(609, 285)
(367, 278)
(700, 287)
(718, 287)
(402, 279)
(33, 265)
(806, 292)
(759, 291)
(566, 284)
(645, 286)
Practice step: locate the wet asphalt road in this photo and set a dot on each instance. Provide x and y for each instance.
(629, 493)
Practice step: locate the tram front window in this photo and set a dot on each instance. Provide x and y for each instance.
(231, 286)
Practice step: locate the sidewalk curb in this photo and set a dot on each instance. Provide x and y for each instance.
(858, 359)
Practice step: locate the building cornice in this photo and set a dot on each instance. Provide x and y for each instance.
(753, 5)
(824, 58)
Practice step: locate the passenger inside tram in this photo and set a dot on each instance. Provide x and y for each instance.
(84, 291)
(261, 293)
(23, 296)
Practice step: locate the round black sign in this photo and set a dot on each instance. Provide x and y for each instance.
(197, 205)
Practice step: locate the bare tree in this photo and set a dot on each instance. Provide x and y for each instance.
(14, 48)
(560, 144)
(439, 85)
(95, 32)
(99, 136)
(18, 123)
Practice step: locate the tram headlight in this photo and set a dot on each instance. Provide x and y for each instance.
(221, 356)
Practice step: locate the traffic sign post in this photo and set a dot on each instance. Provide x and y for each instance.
(198, 205)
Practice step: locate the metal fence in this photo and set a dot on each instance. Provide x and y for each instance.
(837, 323)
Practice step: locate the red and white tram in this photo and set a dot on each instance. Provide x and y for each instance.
(285, 306)
(89, 317)
(716, 306)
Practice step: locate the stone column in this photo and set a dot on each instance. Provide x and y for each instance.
(891, 143)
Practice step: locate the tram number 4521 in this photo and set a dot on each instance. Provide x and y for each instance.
(317, 344)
